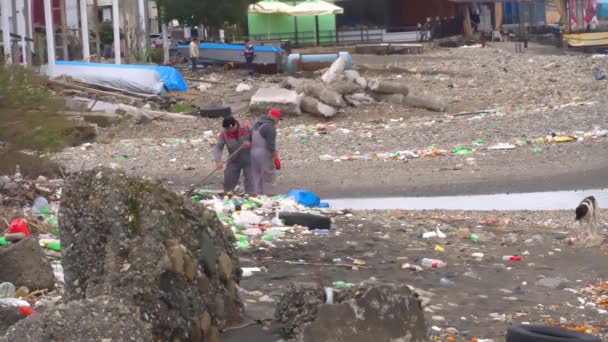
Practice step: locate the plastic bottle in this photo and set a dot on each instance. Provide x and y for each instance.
(342, 284)
(329, 295)
(411, 267)
(39, 204)
(56, 246)
(474, 237)
(7, 290)
(18, 175)
(243, 242)
(512, 258)
(433, 263)
(446, 282)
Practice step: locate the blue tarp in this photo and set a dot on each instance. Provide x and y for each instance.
(173, 79)
(234, 47)
(305, 197)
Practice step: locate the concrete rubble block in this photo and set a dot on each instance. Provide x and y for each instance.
(360, 314)
(102, 119)
(324, 94)
(25, 264)
(344, 87)
(553, 283)
(354, 76)
(314, 106)
(99, 319)
(387, 87)
(336, 71)
(9, 316)
(358, 99)
(150, 248)
(243, 87)
(430, 102)
(293, 83)
(285, 100)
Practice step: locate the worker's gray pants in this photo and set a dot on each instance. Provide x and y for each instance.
(232, 175)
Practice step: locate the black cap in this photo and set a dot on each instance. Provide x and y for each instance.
(228, 122)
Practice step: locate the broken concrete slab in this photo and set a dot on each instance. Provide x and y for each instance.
(293, 83)
(324, 94)
(426, 101)
(363, 313)
(102, 119)
(243, 87)
(336, 71)
(388, 87)
(150, 248)
(313, 106)
(354, 76)
(100, 319)
(25, 264)
(344, 87)
(392, 98)
(288, 101)
(358, 99)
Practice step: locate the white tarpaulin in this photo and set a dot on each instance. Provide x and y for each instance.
(134, 80)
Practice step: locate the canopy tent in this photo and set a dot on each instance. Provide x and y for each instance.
(273, 19)
(269, 8)
(315, 8)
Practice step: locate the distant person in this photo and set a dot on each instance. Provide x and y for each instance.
(194, 53)
(264, 156)
(235, 136)
(249, 54)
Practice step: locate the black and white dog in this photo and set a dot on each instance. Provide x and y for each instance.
(588, 213)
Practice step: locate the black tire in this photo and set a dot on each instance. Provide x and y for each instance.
(306, 220)
(216, 112)
(540, 333)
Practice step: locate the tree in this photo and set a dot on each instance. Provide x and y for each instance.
(210, 13)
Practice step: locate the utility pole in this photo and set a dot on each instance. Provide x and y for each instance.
(96, 22)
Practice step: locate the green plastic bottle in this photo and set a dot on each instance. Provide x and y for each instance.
(3, 241)
(55, 246)
(342, 284)
(474, 237)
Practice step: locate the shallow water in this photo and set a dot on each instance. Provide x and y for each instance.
(555, 200)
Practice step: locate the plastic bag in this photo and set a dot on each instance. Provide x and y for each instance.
(19, 226)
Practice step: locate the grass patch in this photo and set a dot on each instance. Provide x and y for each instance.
(181, 108)
(30, 116)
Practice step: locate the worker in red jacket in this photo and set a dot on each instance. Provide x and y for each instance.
(234, 136)
(264, 155)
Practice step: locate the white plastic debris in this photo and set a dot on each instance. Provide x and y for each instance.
(249, 271)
